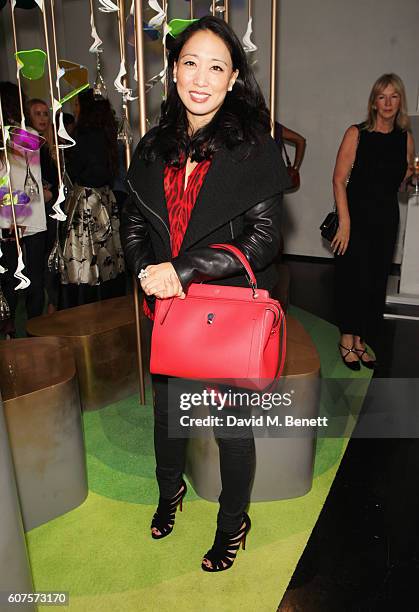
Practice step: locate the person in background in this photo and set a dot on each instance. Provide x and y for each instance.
(69, 123)
(31, 220)
(93, 258)
(39, 119)
(376, 155)
(282, 134)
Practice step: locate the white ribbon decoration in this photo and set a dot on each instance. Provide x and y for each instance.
(24, 280)
(97, 42)
(62, 133)
(107, 6)
(59, 214)
(158, 19)
(248, 45)
(132, 9)
(6, 138)
(125, 91)
(154, 80)
(60, 74)
(2, 270)
(40, 3)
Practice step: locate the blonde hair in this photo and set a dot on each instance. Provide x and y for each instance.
(402, 119)
(49, 133)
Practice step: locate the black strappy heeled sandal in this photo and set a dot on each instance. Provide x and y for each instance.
(224, 550)
(371, 364)
(352, 365)
(164, 517)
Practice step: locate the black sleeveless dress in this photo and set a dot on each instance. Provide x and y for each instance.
(362, 272)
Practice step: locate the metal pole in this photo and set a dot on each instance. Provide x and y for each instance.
(22, 112)
(121, 30)
(190, 9)
(51, 90)
(226, 10)
(273, 63)
(125, 110)
(139, 48)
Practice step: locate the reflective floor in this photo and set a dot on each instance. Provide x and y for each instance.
(363, 554)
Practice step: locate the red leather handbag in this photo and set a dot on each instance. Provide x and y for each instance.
(221, 332)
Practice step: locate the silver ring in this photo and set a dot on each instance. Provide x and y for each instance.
(143, 274)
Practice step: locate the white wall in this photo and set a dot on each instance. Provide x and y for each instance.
(330, 52)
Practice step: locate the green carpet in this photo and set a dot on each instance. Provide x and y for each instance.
(102, 552)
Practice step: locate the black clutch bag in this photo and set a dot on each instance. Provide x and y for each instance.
(330, 225)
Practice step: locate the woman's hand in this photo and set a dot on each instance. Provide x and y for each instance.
(340, 242)
(162, 282)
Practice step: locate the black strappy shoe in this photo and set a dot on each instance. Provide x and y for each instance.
(225, 547)
(352, 365)
(371, 364)
(164, 517)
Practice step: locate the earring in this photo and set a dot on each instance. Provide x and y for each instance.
(174, 79)
(230, 88)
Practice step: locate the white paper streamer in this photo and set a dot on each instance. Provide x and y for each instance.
(62, 133)
(13, 4)
(158, 19)
(60, 74)
(155, 79)
(248, 45)
(97, 42)
(125, 91)
(132, 9)
(40, 3)
(2, 270)
(56, 105)
(59, 214)
(24, 281)
(107, 6)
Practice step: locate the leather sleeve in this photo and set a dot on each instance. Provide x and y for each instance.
(259, 242)
(135, 238)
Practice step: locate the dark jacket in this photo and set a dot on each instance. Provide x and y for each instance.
(239, 203)
(87, 163)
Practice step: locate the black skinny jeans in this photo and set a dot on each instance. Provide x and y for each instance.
(237, 462)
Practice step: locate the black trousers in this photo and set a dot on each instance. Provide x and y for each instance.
(361, 275)
(237, 461)
(34, 249)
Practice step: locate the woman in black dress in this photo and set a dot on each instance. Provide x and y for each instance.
(209, 173)
(377, 156)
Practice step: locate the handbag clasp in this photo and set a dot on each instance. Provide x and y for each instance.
(210, 318)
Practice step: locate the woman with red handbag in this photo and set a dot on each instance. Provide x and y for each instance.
(208, 174)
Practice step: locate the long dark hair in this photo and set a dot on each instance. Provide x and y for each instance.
(242, 118)
(98, 113)
(10, 105)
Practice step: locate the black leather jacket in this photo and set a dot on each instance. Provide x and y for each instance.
(239, 204)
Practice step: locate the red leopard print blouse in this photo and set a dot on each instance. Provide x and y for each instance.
(180, 203)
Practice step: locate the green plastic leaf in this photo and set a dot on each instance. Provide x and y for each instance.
(177, 26)
(31, 63)
(73, 93)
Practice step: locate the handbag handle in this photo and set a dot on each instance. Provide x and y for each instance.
(243, 260)
(235, 251)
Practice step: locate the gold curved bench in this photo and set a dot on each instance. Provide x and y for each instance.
(43, 417)
(15, 575)
(284, 465)
(102, 338)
